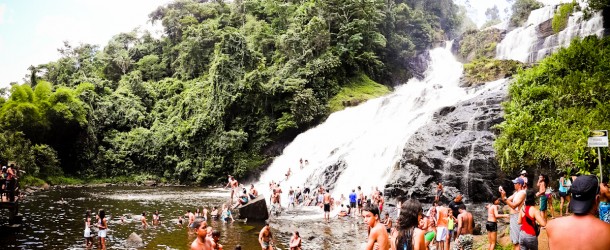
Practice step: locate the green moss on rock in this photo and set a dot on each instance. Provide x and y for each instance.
(484, 70)
(475, 44)
(360, 88)
(560, 19)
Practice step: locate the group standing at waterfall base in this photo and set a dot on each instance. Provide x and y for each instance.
(451, 226)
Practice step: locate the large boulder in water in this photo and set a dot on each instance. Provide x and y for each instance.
(255, 209)
(134, 241)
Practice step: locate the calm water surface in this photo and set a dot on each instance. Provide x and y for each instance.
(53, 219)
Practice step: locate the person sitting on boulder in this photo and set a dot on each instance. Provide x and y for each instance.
(253, 193)
(243, 199)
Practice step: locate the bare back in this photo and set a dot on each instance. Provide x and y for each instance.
(578, 232)
(466, 222)
(326, 198)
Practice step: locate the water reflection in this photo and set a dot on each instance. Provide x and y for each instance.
(54, 219)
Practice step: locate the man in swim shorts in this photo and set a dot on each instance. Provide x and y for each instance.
(326, 206)
(492, 222)
(265, 237)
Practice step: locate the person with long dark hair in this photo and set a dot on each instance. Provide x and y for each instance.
(528, 216)
(407, 235)
(87, 233)
(102, 224)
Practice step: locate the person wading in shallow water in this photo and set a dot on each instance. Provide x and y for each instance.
(103, 228)
(202, 242)
(378, 234)
(265, 237)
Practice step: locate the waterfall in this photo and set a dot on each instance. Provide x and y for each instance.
(360, 146)
(534, 41)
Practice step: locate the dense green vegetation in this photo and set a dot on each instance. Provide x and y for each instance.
(554, 105)
(479, 43)
(359, 89)
(484, 70)
(225, 85)
(560, 19)
(522, 10)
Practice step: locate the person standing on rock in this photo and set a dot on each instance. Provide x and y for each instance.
(564, 192)
(360, 200)
(327, 201)
(515, 202)
(529, 215)
(439, 192)
(454, 205)
(465, 228)
(378, 236)
(353, 198)
(492, 222)
(442, 231)
(581, 230)
(543, 183)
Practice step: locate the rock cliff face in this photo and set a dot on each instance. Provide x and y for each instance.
(456, 149)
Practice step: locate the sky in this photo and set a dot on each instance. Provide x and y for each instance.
(31, 31)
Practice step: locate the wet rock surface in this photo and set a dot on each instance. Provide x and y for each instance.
(134, 241)
(254, 210)
(455, 148)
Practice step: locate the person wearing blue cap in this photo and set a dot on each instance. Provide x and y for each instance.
(515, 202)
(582, 230)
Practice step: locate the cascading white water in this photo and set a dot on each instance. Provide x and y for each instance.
(370, 138)
(576, 28)
(523, 43)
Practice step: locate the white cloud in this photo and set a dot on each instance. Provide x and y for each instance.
(2, 10)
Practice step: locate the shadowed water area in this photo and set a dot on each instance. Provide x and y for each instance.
(54, 219)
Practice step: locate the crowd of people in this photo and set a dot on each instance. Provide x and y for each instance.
(442, 226)
(8, 176)
(585, 197)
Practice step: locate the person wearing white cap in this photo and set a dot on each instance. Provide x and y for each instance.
(515, 202)
(522, 176)
(581, 230)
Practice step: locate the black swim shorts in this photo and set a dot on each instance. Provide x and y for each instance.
(491, 226)
(327, 207)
